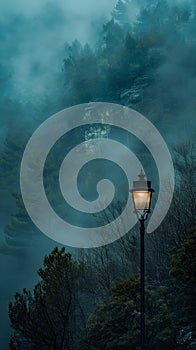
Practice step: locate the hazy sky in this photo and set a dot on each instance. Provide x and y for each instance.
(72, 7)
(77, 14)
(34, 33)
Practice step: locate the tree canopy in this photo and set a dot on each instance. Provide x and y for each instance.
(43, 319)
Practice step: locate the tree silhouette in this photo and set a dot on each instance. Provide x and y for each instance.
(43, 319)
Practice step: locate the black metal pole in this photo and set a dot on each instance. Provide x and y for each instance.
(142, 272)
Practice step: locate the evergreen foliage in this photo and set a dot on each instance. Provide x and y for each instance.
(44, 319)
(115, 323)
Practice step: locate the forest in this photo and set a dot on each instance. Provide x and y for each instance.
(90, 298)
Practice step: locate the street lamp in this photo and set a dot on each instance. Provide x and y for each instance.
(142, 193)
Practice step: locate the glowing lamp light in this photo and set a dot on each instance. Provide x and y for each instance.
(142, 193)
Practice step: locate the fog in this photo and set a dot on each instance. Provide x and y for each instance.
(35, 37)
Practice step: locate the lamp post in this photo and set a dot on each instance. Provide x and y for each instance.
(142, 193)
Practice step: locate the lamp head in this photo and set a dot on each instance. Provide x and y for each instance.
(142, 193)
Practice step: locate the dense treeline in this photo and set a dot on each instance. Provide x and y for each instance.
(91, 300)
(53, 316)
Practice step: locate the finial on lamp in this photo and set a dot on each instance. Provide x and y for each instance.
(141, 175)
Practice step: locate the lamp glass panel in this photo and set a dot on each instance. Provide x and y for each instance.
(142, 199)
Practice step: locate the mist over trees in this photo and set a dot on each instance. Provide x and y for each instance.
(144, 57)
